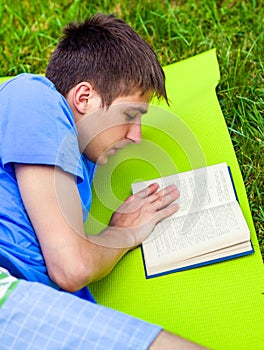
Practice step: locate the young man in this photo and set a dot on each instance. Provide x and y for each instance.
(53, 131)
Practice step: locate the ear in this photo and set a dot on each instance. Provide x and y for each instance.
(83, 97)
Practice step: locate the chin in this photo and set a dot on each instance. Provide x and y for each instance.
(101, 160)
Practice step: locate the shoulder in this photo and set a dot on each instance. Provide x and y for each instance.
(27, 79)
(28, 86)
(31, 95)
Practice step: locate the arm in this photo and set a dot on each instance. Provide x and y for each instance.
(167, 340)
(52, 202)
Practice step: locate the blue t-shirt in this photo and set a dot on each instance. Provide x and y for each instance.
(36, 127)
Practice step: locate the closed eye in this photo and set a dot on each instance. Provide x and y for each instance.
(130, 116)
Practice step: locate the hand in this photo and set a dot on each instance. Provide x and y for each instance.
(139, 214)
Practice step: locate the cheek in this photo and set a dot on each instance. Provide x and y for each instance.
(103, 141)
(114, 134)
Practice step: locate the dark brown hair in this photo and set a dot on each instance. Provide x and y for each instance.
(108, 53)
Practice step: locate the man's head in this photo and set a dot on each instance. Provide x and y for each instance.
(106, 52)
(105, 69)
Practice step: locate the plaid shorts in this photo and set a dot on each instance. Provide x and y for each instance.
(35, 316)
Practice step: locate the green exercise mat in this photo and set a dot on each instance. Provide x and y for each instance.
(222, 305)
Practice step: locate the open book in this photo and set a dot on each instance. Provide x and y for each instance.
(208, 227)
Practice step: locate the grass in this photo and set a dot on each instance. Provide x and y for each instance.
(177, 30)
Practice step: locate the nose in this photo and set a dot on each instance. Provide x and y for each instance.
(134, 132)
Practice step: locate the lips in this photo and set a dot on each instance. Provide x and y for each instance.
(121, 145)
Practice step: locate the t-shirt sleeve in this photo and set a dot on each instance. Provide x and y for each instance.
(37, 125)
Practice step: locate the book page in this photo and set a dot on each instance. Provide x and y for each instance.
(181, 238)
(199, 189)
(220, 254)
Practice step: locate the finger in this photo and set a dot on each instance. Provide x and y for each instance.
(164, 192)
(166, 212)
(163, 198)
(138, 200)
(148, 191)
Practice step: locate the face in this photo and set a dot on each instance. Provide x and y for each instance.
(104, 132)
